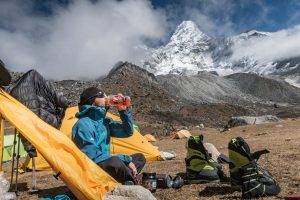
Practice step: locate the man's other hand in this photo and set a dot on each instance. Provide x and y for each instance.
(132, 167)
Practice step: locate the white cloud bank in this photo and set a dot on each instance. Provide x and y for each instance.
(83, 41)
(279, 45)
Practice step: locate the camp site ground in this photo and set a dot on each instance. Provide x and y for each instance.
(281, 138)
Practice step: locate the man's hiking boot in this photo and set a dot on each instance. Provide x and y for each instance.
(238, 154)
(253, 180)
(223, 178)
(199, 165)
(204, 176)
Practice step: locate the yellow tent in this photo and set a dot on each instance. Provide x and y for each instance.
(150, 138)
(82, 176)
(182, 134)
(134, 144)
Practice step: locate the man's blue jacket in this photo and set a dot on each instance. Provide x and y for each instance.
(93, 130)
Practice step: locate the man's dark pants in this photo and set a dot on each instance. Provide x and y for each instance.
(115, 167)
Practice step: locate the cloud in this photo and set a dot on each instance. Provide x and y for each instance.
(212, 16)
(222, 17)
(83, 40)
(279, 45)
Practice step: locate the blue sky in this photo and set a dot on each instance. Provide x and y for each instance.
(230, 16)
(66, 39)
(234, 16)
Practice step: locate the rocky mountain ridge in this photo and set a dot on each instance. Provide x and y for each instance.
(153, 102)
(238, 89)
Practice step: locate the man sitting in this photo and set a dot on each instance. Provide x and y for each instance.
(93, 130)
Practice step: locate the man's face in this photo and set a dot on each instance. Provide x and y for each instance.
(100, 102)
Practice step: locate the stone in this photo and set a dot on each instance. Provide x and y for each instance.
(129, 192)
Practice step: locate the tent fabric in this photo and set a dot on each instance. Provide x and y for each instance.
(150, 138)
(41, 97)
(1, 139)
(134, 144)
(182, 134)
(82, 176)
(40, 164)
(8, 148)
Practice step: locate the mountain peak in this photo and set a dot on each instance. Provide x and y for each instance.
(188, 31)
(187, 51)
(253, 33)
(188, 25)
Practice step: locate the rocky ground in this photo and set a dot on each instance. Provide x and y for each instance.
(281, 138)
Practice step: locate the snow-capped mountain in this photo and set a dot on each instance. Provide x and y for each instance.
(190, 51)
(187, 52)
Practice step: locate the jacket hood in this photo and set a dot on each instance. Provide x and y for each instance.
(93, 112)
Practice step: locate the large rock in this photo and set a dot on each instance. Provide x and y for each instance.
(245, 120)
(130, 192)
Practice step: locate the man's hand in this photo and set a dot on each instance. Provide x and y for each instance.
(132, 167)
(121, 108)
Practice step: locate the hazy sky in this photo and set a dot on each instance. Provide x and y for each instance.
(71, 39)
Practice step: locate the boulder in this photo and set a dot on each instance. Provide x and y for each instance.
(129, 192)
(245, 120)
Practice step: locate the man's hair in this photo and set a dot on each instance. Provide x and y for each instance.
(88, 96)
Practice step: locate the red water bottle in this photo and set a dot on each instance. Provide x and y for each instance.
(117, 100)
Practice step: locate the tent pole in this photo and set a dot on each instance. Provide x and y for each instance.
(18, 158)
(33, 187)
(13, 157)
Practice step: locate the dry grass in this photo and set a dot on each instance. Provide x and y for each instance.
(281, 138)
